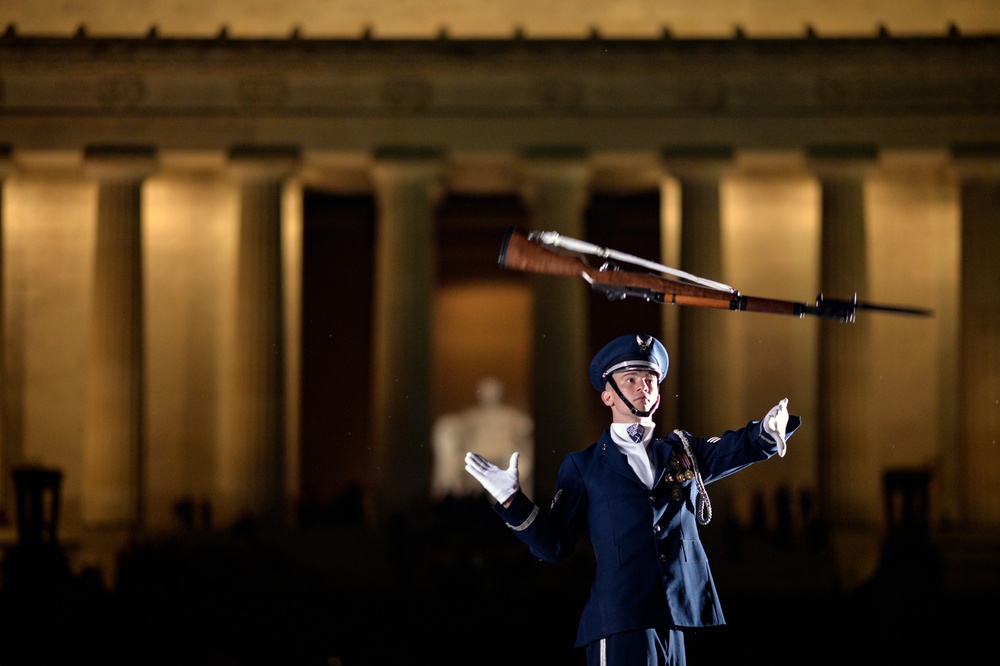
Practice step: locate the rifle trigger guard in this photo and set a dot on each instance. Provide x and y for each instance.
(620, 292)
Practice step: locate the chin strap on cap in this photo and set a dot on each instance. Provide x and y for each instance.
(631, 407)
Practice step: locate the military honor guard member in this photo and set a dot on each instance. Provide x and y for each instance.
(640, 496)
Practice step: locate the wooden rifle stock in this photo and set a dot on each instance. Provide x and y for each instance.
(519, 252)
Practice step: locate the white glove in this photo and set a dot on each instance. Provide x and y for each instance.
(774, 424)
(500, 483)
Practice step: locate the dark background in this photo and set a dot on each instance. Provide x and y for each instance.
(448, 584)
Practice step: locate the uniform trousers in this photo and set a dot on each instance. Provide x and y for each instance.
(634, 648)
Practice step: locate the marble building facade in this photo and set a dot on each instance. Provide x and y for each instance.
(155, 203)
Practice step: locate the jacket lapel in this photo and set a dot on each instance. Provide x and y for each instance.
(660, 452)
(613, 457)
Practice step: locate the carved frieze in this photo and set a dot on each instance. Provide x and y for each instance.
(500, 94)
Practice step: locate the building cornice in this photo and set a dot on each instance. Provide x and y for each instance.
(495, 95)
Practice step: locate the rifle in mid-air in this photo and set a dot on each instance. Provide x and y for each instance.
(548, 252)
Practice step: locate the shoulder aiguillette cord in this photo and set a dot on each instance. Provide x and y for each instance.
(526, 252)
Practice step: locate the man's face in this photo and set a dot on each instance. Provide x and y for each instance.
(640, 387)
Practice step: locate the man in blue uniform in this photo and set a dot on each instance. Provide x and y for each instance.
(641, 498)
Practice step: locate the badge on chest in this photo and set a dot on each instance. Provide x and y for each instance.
(680, 470)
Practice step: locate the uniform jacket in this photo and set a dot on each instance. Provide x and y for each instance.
(652, 570)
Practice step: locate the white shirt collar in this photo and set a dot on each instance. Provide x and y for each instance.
(620, 435)
(638, 457)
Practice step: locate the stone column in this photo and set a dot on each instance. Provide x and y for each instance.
(557, 192)
(978, 456)
(670, 317)
(407, 189)
(701, 361)
(6, 449)
(113, 470)
(849, 465)
(253, 464)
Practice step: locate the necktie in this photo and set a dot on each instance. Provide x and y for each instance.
(636, 431)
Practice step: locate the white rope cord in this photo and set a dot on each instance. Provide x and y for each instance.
(704, 513)
(573, 245)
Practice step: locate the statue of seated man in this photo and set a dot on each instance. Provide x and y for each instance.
(490, 427)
